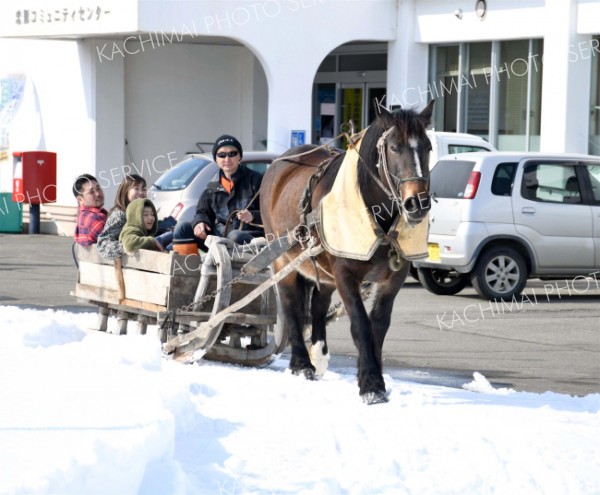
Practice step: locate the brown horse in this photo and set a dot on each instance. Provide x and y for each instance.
(393, 180)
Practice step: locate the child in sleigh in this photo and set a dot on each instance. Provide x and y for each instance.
(140, 228)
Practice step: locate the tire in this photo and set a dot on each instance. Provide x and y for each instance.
(500, 273)
(414, 272)
(442, 282)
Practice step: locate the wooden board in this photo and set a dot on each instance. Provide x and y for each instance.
(152, 261)
(139, 285)
(109, 298)
(167, 280)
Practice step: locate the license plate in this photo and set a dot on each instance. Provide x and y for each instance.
(433, 251)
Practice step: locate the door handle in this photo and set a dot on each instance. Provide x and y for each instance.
(528, 210)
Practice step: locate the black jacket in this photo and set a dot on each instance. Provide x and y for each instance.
(216, 204)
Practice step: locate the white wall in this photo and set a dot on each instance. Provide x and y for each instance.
(505, 19)
(290, 38)
(177, 95)
(64, 110)
(109, 100)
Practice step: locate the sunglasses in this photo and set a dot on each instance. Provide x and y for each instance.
(230, 154)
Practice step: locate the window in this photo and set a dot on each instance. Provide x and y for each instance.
(260, 166)
(464, 148)
(478, 93)
(503, 179)
(361, 62)
(490, 89)
(594, 175)
(551, 182)
(181, 175)
(444, 87)
(518, 74)
(449, 179)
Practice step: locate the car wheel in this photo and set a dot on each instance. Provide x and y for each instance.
(442, 282)
(500, 273)
(414, 273)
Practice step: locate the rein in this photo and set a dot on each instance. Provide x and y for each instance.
(230, 217)
(332, 152)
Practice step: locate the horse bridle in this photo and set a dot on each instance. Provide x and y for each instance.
(391, 179)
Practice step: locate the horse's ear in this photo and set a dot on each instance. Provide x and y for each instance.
(427, 112)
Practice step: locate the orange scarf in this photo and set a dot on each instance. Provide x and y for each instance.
(226, 183)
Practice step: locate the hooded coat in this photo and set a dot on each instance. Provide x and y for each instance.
(134, 235)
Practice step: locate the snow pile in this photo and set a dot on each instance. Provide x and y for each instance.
(86, 412)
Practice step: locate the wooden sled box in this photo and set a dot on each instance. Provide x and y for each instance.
(152, 282)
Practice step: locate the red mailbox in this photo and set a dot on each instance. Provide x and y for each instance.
(34, 178)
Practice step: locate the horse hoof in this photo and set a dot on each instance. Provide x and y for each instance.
(308, 373)
(375, 398)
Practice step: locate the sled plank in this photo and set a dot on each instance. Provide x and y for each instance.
(110, 297)
(143, 259)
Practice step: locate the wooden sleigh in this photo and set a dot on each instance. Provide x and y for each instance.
(221, 305)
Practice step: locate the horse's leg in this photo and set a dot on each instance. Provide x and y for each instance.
(370, 380)
(383, 303)
(319, 352)
(293, 297)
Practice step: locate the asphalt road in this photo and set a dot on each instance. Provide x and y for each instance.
(549, 340)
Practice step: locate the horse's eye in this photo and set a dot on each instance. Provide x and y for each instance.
(394, 148)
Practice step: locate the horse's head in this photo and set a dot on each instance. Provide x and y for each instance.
(403, 159)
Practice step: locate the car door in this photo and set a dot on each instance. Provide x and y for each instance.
(592, 181)
(551, 212)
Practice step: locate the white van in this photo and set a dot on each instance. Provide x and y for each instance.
(449, 143)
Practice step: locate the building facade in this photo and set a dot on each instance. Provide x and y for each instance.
(117, 86)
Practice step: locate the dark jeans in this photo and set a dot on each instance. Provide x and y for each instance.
(165, 225)
(184, 232)
(165, 239)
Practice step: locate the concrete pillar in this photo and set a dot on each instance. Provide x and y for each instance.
(407, 63)
(290, 107)
(108, 104)
(566, 80)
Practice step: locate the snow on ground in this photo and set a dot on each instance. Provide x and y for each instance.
(84, 412)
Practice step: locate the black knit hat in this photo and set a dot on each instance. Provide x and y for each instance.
(226, 140)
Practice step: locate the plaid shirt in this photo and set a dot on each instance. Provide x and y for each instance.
(90, 222)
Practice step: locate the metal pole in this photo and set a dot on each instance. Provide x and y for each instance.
(34, 219)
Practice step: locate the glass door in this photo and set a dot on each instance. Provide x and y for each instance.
(375, 92)
(352, 105)
(355, 102)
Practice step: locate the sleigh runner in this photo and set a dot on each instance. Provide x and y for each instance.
(221, 305)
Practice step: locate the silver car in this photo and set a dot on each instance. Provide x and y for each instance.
(177, 191)
(498, 219)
